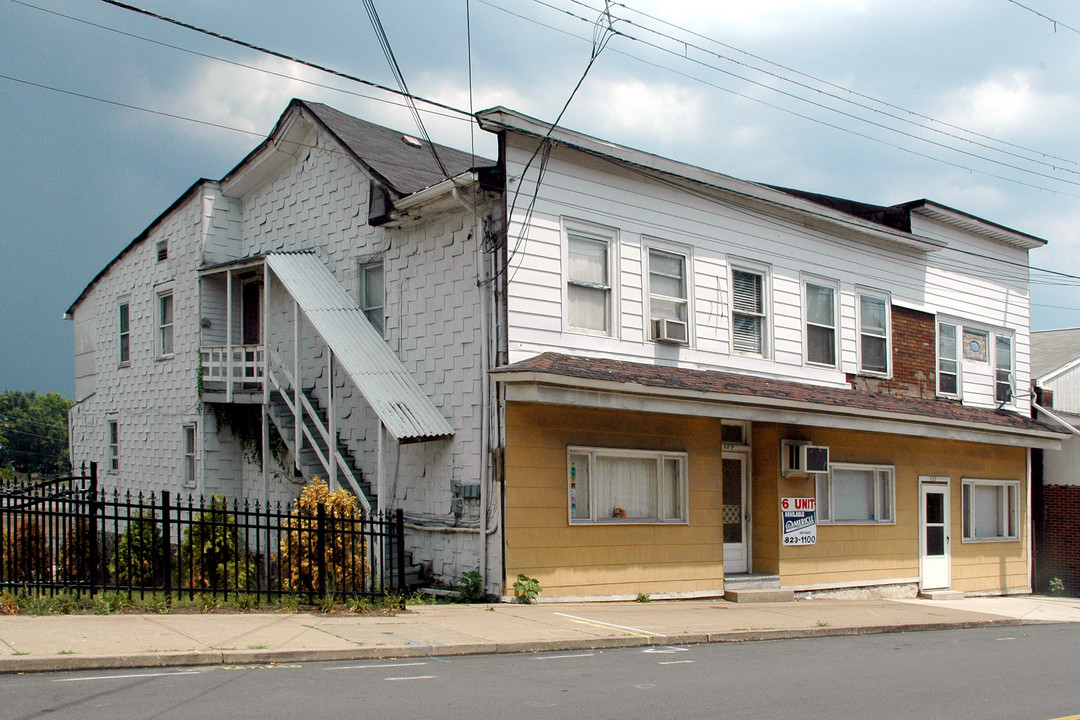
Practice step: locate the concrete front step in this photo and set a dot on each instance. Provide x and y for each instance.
(759, 595)
(945, 594)
(751, 581)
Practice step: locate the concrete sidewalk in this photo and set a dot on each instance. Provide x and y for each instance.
(29, 644)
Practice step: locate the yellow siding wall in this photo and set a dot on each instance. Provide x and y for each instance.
(608, 559)
(860, 553)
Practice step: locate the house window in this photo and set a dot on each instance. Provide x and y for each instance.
(163, 250)
(125, 333)
(1003, 369)
(668, 305)
(626, 486)
(948, 379)
(114, 445)
(820, 324)
(588, 287)
(991, 510)
(873, 334)
(749, 322)
(189, 455)
(165, 323)
(373, 295)
(858, 494)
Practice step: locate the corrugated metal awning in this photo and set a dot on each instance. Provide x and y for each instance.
(382, 379)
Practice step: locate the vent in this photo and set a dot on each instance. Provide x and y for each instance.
(163, 250)
(670, 331)
(799, 457)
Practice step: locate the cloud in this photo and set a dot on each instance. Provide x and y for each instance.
(644, 114)
(1006, 103)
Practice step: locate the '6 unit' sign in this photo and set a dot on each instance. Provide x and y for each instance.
(798, 517)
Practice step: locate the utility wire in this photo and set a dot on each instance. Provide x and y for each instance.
(274, 53)
(1055, 23)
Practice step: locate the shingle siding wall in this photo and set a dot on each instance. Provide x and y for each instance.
(151, 398)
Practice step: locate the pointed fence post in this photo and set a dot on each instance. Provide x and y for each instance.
(399, 532)
(92, 521)
(320, 548)
(166, 534)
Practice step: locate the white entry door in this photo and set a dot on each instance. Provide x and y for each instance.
(934, 534)
(736, 513)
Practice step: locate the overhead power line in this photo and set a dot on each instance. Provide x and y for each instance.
(1055, 23)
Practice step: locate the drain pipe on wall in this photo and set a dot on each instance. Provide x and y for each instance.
(485, 409)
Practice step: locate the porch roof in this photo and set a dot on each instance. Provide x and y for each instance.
(406, 411)
(659, 388)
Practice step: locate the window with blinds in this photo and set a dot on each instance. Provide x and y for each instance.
(748, 318)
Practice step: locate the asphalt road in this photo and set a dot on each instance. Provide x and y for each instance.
(1029, 673)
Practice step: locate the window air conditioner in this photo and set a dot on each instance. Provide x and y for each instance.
(799, 457)
(670, 331)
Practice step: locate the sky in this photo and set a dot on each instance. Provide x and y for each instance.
(108, 115)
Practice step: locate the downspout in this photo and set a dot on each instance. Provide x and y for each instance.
(1031, 530)
(485, 409)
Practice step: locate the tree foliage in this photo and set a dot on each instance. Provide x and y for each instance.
(34, 432)
(212, 555)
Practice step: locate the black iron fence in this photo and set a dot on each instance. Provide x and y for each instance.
(69, 535)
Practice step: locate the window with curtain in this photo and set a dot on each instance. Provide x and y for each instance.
(820, 324)
(588, 288)
(873, 334)
(749, 321)
(635, 486)
(667, 285)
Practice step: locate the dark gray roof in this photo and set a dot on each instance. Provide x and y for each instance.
(402, 167)
(1052, 349)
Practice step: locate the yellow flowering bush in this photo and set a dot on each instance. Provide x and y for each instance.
(344, 556)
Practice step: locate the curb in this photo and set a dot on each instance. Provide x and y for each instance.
(12, 665)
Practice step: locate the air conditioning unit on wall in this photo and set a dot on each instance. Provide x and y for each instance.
(799, 457)
(670, 331)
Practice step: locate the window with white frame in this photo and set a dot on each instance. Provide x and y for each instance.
(948, 359)
(873, 334)
(991, 510)
(668, 303)
(859, 494)
(189, 455)
(588, 284)
(124, 329)
(373, 294)
(749, 319)
(820, 323)
(114, 445)
(630, 486)
(1003, 369)
(165, 323)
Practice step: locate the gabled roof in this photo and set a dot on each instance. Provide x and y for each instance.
(799, 401)
(1053, 350)
(403, 165)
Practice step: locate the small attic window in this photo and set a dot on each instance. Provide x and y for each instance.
(410, 140)
(163, 250)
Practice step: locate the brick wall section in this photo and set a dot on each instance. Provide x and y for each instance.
(914, 358)
(1060, 556)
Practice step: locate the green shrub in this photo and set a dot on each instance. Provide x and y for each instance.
(1057, 587)
(526, 589)
(212, 554)
(472, 587)
(140, 553)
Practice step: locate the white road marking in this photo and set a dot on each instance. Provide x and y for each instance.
(677, 662)
(666, 650)
(411, 677)
(125, 677)
(367, 667)
(611, 625)
(563, 657)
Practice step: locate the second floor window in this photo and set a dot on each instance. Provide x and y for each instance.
(165, 323)
(820, 324)
(125, 333)
(1003, 369)
(667, 292)
(873, 334)
(588, 286)
(114, 445)
(748, 317)
(948, 379)
(373, 295)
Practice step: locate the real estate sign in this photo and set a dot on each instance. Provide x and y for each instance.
(798, 518)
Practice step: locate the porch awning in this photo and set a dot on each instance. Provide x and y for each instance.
(405, 410)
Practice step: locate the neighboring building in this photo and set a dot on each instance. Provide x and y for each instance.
(591, 365)
(1055, 372)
